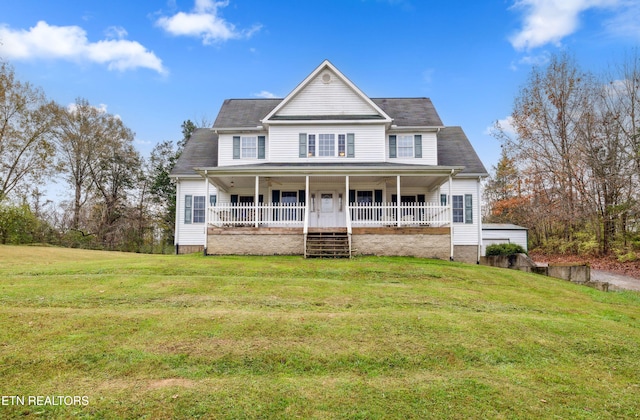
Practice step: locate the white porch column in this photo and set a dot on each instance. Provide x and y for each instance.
(347, 204)
(450, 203)
(398, 200)
(206, 210)
(307, 207)
(255, 200)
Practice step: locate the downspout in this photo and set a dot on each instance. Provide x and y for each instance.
(450, 203)
(398, 200)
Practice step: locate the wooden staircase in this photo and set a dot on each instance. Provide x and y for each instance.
(328, 243)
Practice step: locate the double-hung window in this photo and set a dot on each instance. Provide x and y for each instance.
(194, 209)
(326, 145)
(405, 146)
(462, 208)
(249, 147)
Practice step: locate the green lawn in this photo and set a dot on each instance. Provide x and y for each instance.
(146, 336)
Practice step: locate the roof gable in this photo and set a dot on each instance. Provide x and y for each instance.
(326, 94)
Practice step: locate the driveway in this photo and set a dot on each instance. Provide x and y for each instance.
(616, 281)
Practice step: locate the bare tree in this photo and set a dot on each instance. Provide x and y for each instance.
(26, 124)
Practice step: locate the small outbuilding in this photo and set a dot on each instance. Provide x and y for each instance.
(501, 233)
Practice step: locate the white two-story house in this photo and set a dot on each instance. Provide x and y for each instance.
(328, 171)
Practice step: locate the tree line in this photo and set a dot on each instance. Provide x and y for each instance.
(118, 199)
(570, 163)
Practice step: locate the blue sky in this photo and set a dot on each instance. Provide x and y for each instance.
(158, 63)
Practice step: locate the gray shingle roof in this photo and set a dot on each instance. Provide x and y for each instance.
(406, 112)
(244, 112)
(454, 149)
(410, 112)
(201, 150)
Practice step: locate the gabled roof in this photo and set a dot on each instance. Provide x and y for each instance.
(201, 150)
(405, 112)
(454, 149)
(325, 74)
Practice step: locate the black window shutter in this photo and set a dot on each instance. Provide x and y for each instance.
(421, 198)
(275, 196)
(301, 196)
(352, 196)
(234, 198)
(261, 147)
(468, 208)
(417, 145)
(351, 145)
(302, 145)
(392, 146)
(236, 147)
(188, 208)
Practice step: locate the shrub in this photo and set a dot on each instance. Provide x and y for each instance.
(504, 249)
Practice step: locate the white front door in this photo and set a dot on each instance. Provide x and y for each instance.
(325, 210)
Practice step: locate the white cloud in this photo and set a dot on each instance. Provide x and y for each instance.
(204, 22)
(71, 43)
(549, 21)
(265, 94)
(102, 109)
(505, 124)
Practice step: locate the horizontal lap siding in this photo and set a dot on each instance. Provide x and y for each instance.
(225, 150)
(429, 150)
(369, 144)
(465, 233)
(190, 234)
(334, 98)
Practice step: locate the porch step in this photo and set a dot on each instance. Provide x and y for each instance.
(328, 244)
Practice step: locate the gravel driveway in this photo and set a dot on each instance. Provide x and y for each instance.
(616, 281)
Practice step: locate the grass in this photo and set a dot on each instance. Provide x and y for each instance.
(145, 336)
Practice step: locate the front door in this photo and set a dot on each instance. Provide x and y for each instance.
(326, 211)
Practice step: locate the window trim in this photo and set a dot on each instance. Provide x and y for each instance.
(315, 145)
(194, 214)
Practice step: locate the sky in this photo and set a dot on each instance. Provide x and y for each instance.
(158, 63)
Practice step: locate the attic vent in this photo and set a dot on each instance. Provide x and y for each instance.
(326, 78)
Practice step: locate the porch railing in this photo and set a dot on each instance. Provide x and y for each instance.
(359, 214)
(244, 214)
(411, 214)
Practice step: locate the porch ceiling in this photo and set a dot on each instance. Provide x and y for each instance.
(230, 182)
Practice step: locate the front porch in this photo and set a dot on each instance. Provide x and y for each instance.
(275, 212)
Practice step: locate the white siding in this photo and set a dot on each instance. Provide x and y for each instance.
(368, 141)
(429, 149)
(465, 233)
(332, 98)
(190, 233)
(225, 150)
(500, 236)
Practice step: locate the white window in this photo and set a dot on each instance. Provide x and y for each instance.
(326, 145)
(405, 146)
(194, 208)
(249, 147)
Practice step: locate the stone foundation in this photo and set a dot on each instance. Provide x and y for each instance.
(465, 253)
(255, 241)
(189, 249)
(414, 242)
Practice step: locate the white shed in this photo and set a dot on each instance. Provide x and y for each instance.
(501, 233)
